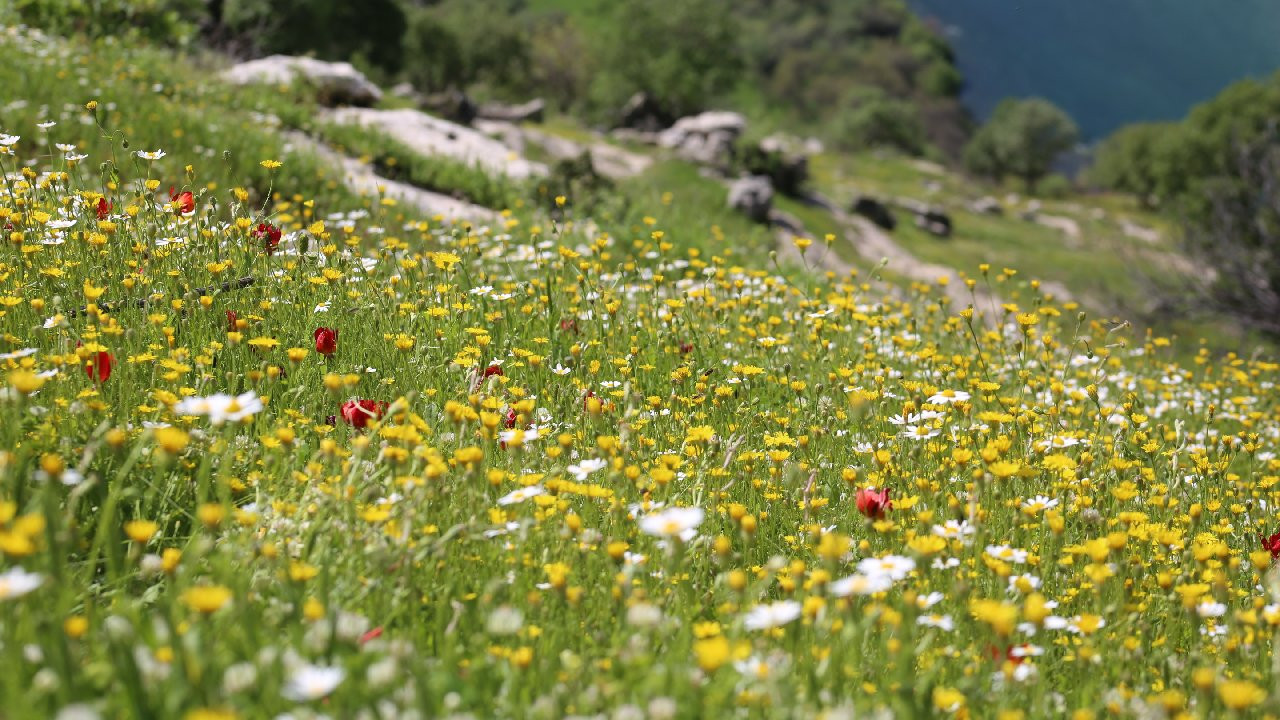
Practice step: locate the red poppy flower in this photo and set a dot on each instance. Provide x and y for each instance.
(326, 340)
(873, 503)
(1271, 544)
(184, 201)
(104, 208)
(509, 420)
(1015, 654)
(269, 235)
(98, 366)
(492, 370)
(686, 348)
(371, 635)
(359, 413)
(569, 325)
(232, 319)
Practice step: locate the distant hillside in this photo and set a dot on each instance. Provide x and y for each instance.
(1108, 62)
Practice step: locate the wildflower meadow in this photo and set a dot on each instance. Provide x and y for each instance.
(265, 456)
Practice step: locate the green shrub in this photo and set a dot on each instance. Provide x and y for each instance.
(684, 53)
(874, 119)
(1022, 138)
(165, 22)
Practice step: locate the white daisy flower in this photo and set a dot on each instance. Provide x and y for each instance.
(924, 602)
(16, 582)
(942, 622)
(18, 354)
(221, 407)
(946, 397)
(519, 496)
(1039, 503)
(1211, 609)
(1023, 583)
(312, 682)
(920, 432)
(953, 529)
(763, 617)
(859, 584)
(1007, 554)
(681, 522)
(894, 567)
(586, 467)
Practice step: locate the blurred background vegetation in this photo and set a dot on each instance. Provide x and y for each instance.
(857, 72)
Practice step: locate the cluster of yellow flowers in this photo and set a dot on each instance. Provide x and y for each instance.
(327, 463)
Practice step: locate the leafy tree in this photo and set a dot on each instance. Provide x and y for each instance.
(483, 43)
(1219, 143)
(557, 64)
(435, 57)
(1023, 138)
(330, 29)
(1132, 159)
(682, 52)
(1223, 174)
(1218, 172)
(165, 22)
(874, 119)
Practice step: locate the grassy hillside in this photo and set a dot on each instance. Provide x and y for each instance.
(418, 470)
(1107, 63)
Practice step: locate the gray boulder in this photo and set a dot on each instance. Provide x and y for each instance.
(531, 111)
(935, 222)
(336, 83)
(707, 139)
(452, 105)
(875, 211)
(406, 91)
(987, 206)
(638, 137)
(752, 196)
(643, 113)
(932, 219)
(784, 159)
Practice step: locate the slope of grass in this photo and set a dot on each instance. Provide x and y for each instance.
(149, 100)
(693, 210)
(511, 473)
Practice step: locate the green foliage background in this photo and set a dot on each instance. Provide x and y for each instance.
(861, 73)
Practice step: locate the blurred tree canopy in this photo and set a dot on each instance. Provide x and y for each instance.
(1022, 139)
(1218, 172)
(859, 72)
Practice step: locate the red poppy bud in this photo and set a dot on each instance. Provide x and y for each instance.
(359, 413)
(98, 366)
(873, 503)
(104, 208)
(184, 201)
(268, 235)
(326, 340)
(1271, 544)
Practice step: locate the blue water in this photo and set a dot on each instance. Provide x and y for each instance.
(1108, 62)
